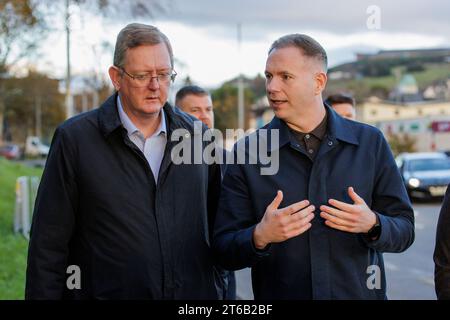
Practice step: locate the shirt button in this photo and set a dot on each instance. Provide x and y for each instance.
(187, 135)
(311, 151)
(330, 143)
(307, 136)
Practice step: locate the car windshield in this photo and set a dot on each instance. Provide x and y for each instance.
(429, 164)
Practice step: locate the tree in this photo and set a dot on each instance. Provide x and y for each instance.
(21, 24)
(258, 86)
(24, 24)
(35, 108)
(21, 27)
(402, 143)
(225, 101)
(108, 8)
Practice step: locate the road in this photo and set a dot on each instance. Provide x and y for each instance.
(409, 274)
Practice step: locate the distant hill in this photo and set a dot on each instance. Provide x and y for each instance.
(378, 74)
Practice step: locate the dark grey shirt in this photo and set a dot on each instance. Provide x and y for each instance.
(311, 141)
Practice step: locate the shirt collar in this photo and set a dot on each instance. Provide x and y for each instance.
(129, 125)
(318, 132)
(336, 128)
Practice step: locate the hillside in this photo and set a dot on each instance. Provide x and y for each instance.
(368, 77)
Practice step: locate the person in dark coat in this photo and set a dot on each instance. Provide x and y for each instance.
(314, 225)
(197, 102)
(115, 217)
(442, 251)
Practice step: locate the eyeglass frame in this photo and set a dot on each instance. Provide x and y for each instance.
(173, 74)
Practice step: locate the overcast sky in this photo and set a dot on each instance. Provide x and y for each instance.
(203, 33)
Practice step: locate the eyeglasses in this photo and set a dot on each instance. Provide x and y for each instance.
(143, 80)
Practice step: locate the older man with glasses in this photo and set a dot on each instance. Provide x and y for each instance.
(115, 218)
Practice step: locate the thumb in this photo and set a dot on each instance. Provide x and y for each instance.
(276, 202)
(354, 196)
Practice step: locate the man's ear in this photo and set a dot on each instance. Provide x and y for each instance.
(115, 76)
(321, 82)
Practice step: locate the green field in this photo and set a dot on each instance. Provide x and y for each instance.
(13, 248)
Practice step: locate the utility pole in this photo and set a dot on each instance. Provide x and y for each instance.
(38, 115)
(240, 81)
(69, 101)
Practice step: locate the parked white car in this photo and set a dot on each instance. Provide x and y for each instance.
(35, 148)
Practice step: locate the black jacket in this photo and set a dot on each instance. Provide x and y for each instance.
(322, 263)
(442, 251)
(98, 208)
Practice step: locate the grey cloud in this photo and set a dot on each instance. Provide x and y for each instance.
(285, 16)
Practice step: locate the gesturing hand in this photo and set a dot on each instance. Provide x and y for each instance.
(355, 218)
(278, 225)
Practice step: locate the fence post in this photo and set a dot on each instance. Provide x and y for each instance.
(26, 189)
(18, 206)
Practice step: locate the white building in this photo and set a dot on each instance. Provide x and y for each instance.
(427, 121)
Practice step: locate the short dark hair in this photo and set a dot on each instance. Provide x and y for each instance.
(340, 98)
(187, 90)
(309, 46)
(137, 34)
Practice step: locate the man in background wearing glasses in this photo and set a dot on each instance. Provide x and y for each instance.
(115, 218)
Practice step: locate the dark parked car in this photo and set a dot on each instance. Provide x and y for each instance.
(10, 151)
(426, 175)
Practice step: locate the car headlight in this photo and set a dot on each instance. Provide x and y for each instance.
(414, 182)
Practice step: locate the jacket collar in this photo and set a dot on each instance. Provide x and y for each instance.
(338, 128)
(108, 116)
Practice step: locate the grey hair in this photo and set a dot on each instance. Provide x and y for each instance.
(137, 34)
(308, 46)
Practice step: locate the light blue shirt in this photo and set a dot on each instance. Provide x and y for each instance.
(152, 147)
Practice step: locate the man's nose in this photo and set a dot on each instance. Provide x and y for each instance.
(153, 83)
(204, 117)
(272, 85)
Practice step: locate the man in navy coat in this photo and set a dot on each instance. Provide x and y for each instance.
(116, 216)
(316, 228)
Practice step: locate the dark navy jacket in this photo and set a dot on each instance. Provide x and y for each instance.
(322, 263)
(442, 251)
(99, 208)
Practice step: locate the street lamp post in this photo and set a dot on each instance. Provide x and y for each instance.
(69, 101)
(240, 82)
